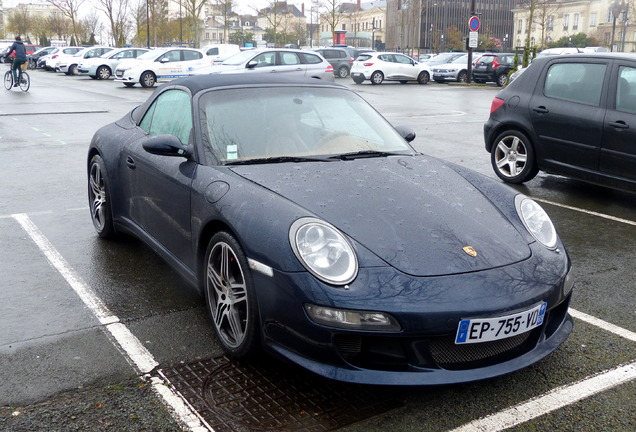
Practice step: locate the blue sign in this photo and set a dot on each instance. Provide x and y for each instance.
(474, 23)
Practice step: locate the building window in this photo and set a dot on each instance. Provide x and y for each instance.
(566, 22)
(344, 26)
(519, 26)
(593, 19)
(550, 23)
(575, 24)
(207, 35)
(609, 15)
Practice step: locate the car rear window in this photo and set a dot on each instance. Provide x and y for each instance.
(487, 59)
(363, 57)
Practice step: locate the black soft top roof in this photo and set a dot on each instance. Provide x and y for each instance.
(197, 83)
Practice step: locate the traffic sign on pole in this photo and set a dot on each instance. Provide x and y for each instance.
(474, 23)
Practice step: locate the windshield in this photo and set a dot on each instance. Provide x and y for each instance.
(460, 59)
(240, 58)
(151, 55)
(256, 123)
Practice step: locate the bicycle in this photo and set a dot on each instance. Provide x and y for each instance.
(24, 80)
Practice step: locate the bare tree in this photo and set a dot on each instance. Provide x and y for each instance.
(274, 13)
(224, 10)
(332, 16)
(91, 26)
(57, 24)
(544, 17)
(19, 22)
(193, 10)
(69, 9)
(117, 12)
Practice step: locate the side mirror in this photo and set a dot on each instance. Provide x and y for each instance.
(166, 145)
(406, 132)
(251, 64)
(164, 60)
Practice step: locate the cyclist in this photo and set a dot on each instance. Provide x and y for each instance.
(20, 58)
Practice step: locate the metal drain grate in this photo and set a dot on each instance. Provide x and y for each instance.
(267, 395)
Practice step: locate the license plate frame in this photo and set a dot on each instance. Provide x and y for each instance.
(478, 330)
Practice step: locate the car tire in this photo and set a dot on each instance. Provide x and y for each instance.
(343, 72)
(377, 77)
(423, 77)
(358, 79)
(99, 198)
(479, 81)
(403, 81)
(462, 77)
(512, 157)
(502, 80)
(440, 81)
(103, 72)
(229, 296)
(72, 70)
(129, 85)
(147, 79)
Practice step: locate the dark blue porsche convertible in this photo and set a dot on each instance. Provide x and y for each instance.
(317, 233)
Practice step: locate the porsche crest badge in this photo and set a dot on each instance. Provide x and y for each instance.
(470, 251)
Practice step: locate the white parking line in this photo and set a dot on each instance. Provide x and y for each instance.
(588, 212)
(562, 396)
(134, 351)
(551, 401)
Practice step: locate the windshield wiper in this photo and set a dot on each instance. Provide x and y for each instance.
(279, 159)
(366, 154)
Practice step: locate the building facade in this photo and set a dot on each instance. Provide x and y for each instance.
(361, 25)
(427, 25)
(607, 21)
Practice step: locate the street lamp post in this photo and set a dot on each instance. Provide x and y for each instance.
(148, 22)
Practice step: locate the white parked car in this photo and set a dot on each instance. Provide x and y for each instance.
(161, 64)
(217, 53)
(51, 61)
(68, 63)
(275, 60)
(103, 67)
(380, 66)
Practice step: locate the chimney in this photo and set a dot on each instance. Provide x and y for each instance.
(358, 8)
(302, 8)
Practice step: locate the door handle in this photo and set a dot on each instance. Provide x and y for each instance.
(620, 124)
(541, 110)
(130, 162)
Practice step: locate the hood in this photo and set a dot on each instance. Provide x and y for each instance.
(415, 213)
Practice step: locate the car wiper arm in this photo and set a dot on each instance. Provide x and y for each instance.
(279, 159)
(366, 154)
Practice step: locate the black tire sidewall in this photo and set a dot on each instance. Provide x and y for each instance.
(108, 231)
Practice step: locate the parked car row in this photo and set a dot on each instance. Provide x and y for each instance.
(131, 66)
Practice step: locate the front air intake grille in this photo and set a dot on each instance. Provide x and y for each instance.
(451, 356)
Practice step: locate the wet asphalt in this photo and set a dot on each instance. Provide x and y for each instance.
(60, 371)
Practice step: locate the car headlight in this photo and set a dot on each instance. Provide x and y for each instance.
(352, 319)
(323, 251)
(536, 221)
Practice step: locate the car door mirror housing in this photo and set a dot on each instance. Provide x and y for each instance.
(406, 132)
(251, 64)
(166, 145)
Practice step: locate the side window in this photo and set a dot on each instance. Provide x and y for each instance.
(289, 58)
(626, 89)
(387, 58)
(191, 55)
(402, 59)
(170, 114)
(171, 56)
(267, 59)
(212, 51)
(311, 58)
(576, 82)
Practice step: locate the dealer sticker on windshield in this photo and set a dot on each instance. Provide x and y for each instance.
(491, 329)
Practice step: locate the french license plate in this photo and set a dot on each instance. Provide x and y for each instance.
(490, 329)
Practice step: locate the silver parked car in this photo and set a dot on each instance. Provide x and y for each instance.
(288, 61)
(104, 66)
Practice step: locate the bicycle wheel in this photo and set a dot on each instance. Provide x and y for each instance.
(25, 81)
(8, 80)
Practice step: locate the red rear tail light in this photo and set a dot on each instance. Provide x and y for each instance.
(496, 104)
(368, 64)
(495, 63)
(329, 69)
